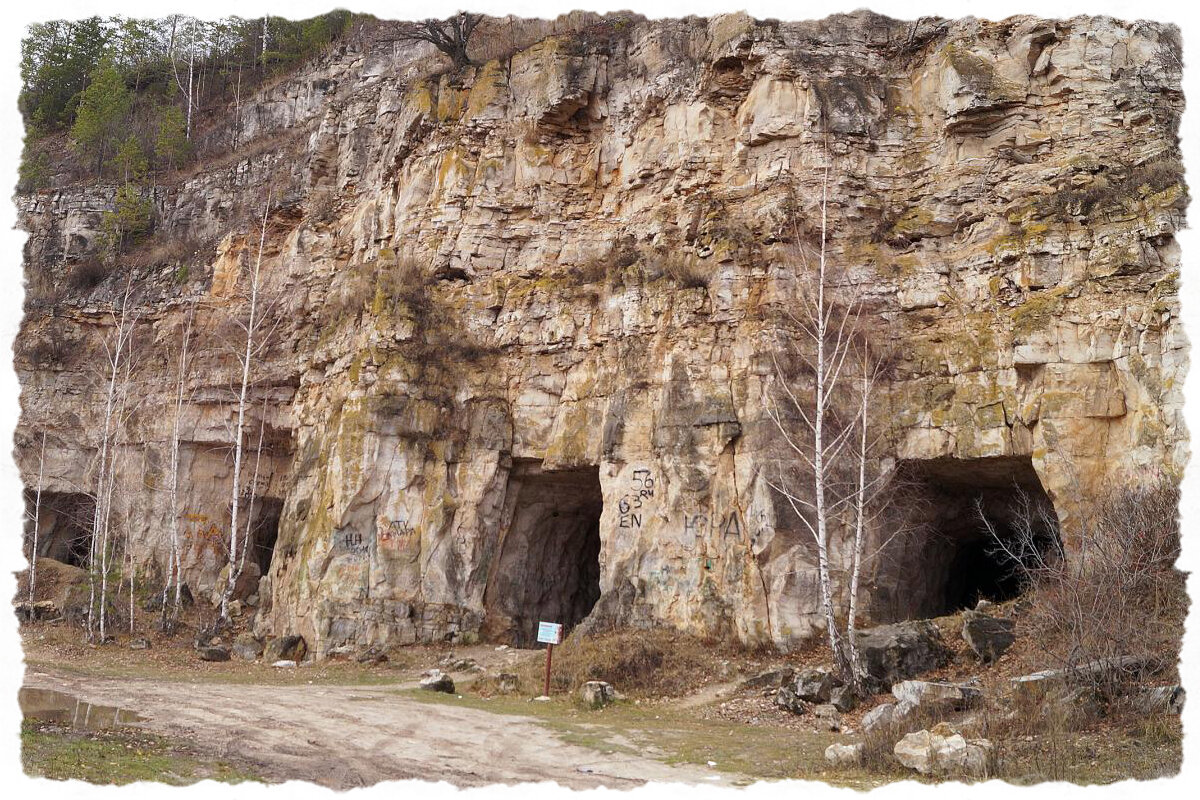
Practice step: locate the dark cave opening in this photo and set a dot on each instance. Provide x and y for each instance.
(264, 531)
(64, 526)
(548, 569)
(974, 528)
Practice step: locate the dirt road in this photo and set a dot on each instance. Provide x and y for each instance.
(341, 736)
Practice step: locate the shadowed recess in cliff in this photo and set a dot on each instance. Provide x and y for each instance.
(548, 565)
(950, 560)
(65, 526)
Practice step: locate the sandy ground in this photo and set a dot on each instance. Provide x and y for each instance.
(342, 736)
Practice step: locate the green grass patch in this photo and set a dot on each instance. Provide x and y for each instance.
(116, 757)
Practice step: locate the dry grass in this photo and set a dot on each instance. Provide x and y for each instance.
(639, 663)
(87, 274)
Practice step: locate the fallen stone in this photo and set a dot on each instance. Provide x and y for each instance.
(936, 696)
(372, 655)
(213, 653)
(235, 608)
(988, 637)
(465, 665)
(844, 755)
(286, 648)
(247, 648)
(283, 663)
(888, 715)
(1160, 700)
(140, 643)
(437, 681)
(828, 716)
(843, 698)
(785, 698)
(507, 683)
(771, 679)
(903, 650)
(814, 685)
(596, 694)
(943, 752)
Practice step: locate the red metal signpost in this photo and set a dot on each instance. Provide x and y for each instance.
(550, 634)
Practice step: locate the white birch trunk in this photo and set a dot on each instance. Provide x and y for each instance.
(37, 513)
(234, 557)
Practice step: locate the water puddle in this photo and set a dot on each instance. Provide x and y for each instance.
(48, 705)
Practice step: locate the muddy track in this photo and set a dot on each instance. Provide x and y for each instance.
(342, 736)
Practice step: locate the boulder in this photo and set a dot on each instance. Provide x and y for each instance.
(988, 637)
(286, 648)
(828, 716)
(372, 655)
(936, 696)
(1160, 699)
(247, 648)
(886, 716)
(437, 681)
(507, 683)
(771, 679)
(140, 643)
(213, 653)
(596, 694)
(785, 698)
(814, 685)
(844, 755)
(843, 698)
(903, 650)
(941, 752)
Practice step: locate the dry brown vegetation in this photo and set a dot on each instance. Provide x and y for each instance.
(651, 662)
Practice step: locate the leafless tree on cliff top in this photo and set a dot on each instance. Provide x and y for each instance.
(451, 36)
(833, 489)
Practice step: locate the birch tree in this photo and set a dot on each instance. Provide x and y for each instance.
(833, 491)
(173, 560)
(37, 515)
(117, 368)
(254, 330)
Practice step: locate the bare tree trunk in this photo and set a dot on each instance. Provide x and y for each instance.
(820, 478)
(860, 501)
(251, 329)
(173, 565)
(37, 513)
(106, 471)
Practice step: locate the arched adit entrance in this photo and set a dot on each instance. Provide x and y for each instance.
(548, 565)
(971, 527)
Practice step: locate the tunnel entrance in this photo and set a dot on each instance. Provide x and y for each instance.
(972, 525)
(65, 526)
(548, 565)
(264, 532)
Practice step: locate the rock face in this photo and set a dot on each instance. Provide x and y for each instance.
(528, 313)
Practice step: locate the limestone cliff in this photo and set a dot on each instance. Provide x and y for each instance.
(525, 314)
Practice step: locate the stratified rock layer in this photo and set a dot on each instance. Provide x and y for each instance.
(563, 276)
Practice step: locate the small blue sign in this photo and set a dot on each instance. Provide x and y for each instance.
(549, 633)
